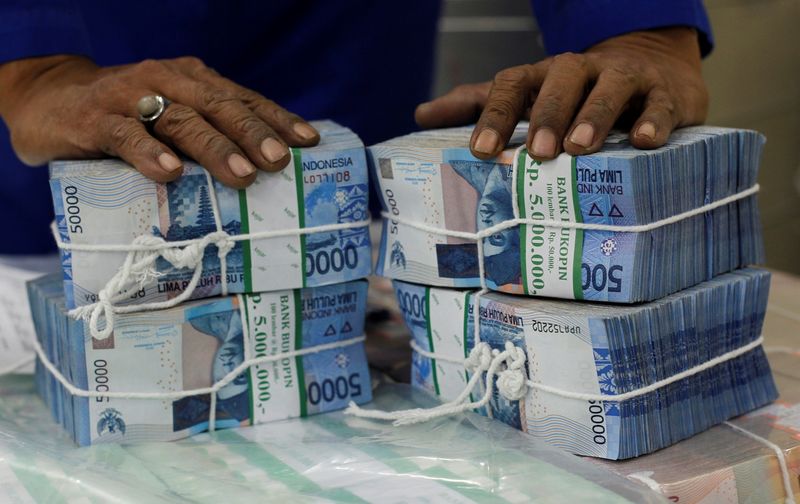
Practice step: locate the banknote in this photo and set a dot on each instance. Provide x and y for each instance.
(106, 202)
(603, 350)
(431, 179)
(194, 346)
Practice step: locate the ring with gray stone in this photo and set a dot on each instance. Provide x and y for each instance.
(150, 108)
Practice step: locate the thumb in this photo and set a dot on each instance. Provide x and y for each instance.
(462, 105)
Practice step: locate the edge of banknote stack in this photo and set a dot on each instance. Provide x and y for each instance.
(190, 306)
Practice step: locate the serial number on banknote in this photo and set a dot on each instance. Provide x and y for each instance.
(552, 328)
(327, 177)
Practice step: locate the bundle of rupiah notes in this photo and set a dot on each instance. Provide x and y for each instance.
(658, 333)
(190, 306)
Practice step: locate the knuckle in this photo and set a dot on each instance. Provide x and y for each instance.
(570, 59)
(191, 62)
(248, 125)
(603, 106)
(211, 98)
(627, 75)
(178, 120)
(150, 66)
(500, 109)
(510, 77)
(121, 133)
(211, 142)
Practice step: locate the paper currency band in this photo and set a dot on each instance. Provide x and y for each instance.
(517, 220)
(212, 390)
(140, 264)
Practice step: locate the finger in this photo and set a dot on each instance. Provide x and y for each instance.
(188, 131)
(461, 105)
(511, 94)
(126, 137)
(658, 119)
(291, 127)
(604, 105)
(228, 115)
(508, 98)
(561, 92)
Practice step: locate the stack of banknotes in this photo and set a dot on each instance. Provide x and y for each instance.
(724, 465)
(107, 202)
(604, 349)
(430, 180)
(128, 241)
(193, 346)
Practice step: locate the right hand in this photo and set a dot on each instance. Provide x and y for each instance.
(63, 107)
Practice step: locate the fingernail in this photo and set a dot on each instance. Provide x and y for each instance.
(240, 166)
(304, 131)
(422, 108)
(647, 130)
(582, 135)
(544, 143)
(273, 150)
(486, 142)
(169, 162)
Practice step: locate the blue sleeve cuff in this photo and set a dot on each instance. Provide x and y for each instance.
(30, 29)
(576, 25)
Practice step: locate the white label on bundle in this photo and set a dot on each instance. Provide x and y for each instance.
(273, 203)
(551, 257)
(153, 354)
(446, 334)
(412, 189)
(560, 354)
(272, 323)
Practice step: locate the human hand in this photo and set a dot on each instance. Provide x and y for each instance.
(67, 107)
(651, 78)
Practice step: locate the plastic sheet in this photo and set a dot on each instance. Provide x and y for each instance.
(326, 458)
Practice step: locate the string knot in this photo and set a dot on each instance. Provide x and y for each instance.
(512, 382)
(480, 358)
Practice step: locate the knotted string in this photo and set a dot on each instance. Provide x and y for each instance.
(139, 266)
(506, 366)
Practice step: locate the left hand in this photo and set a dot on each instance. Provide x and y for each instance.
(573, 100)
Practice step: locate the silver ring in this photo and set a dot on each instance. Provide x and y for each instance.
(151, 107)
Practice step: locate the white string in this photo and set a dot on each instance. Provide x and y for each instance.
(139, 267)
(180, 394)
(513, 382)
(639, 228)
(221, 253)
(785, 476)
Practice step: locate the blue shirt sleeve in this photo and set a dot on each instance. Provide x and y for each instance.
(576, 25)
(41, 28)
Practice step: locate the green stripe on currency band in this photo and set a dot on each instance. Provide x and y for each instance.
(430, 338)
(301, 209)
(247, 266)
(577, 285)
(467, 295)
(298, 345)
(246, 341)
(521, 207)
